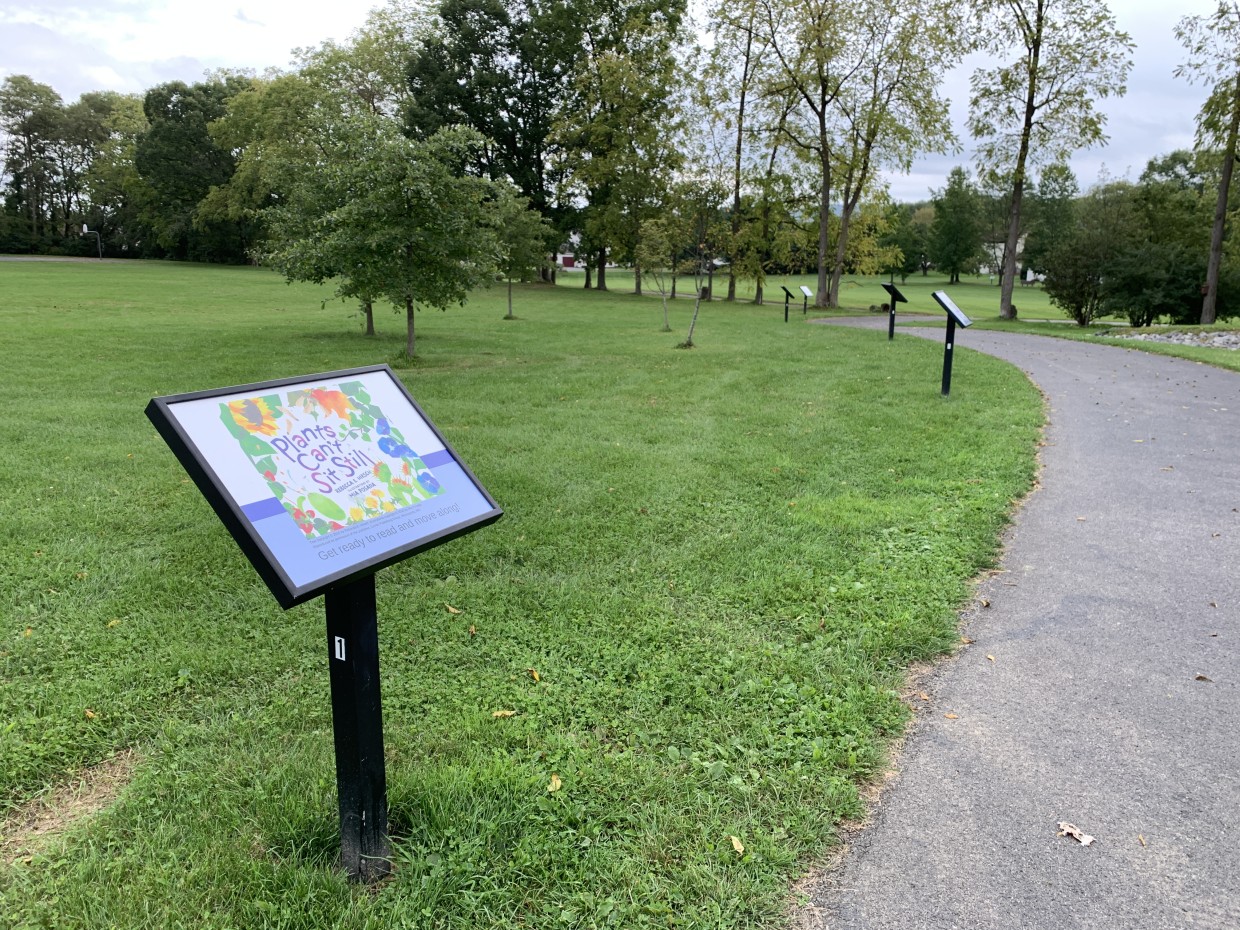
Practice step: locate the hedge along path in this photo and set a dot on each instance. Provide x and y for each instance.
(32, 827)
(1100, 686)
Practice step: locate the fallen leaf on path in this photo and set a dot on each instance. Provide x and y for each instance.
(952, 716)
(1072, 830)
(923, 695)
(966, 641)
(1214, 603)
(985, 602)
(737, 845)
(1141, 839)
(990, 658)
(1202, 678)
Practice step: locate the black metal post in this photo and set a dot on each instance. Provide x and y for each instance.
(947, 354)
(804, 304)
(891, 321)
(357, 722)
(786, 296)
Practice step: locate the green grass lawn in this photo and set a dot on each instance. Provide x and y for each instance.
(719, 561)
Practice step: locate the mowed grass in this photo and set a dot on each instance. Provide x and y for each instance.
(719, 562)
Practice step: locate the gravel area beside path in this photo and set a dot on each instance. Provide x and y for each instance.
(1101, 687)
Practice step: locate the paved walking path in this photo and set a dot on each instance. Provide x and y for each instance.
(1113, 698)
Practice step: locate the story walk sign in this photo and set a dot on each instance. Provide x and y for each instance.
(323, 480)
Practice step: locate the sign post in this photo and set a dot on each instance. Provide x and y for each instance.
(954, 315)
(805, 300)
(323, 480)
(896, 298)
(787, 297)
(357, 724)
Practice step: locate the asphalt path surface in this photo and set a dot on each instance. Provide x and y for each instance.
(1101, 686)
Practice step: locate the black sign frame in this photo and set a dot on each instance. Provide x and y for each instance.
(162, 412)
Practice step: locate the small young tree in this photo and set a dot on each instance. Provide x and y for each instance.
(523, 239)
(655, 254)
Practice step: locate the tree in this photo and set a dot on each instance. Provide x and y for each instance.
(955, 244)
(1213, 45)
(501, 67)
(392, 217)
(657, 255)
(905, 242)
(620, 128)
(1051, 215)
(179, 162)
(1040, 106)
(523, 239)
(866, 77)
(30, 114)
(1105, 229)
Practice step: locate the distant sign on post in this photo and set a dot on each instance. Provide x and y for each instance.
(957, 315)
(323, 478)
(806, 291)
(894, 293)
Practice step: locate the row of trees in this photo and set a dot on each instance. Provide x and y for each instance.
(1132, 248)
(763, 145)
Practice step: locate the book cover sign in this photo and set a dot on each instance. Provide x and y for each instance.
(329, 455)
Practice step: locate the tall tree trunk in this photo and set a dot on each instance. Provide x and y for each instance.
(589, 272)
(757, 297)
(1007, 281)
(368, 311)
(1209, 303)
(736, 163)
(410, 345)
(510, 316)
(841, 247)
(637, 279)
(824, 228)
(602, 269)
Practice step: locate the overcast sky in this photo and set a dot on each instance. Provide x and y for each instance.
(131, 45)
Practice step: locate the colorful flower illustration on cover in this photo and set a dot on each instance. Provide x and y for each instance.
(329, 455)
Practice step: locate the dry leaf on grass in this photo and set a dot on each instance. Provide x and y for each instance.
(737, 845)
(534, 674)
(1072, 830)
(503, 714)
(451, 609)
(555, 784)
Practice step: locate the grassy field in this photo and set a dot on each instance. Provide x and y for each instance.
(719, 562)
